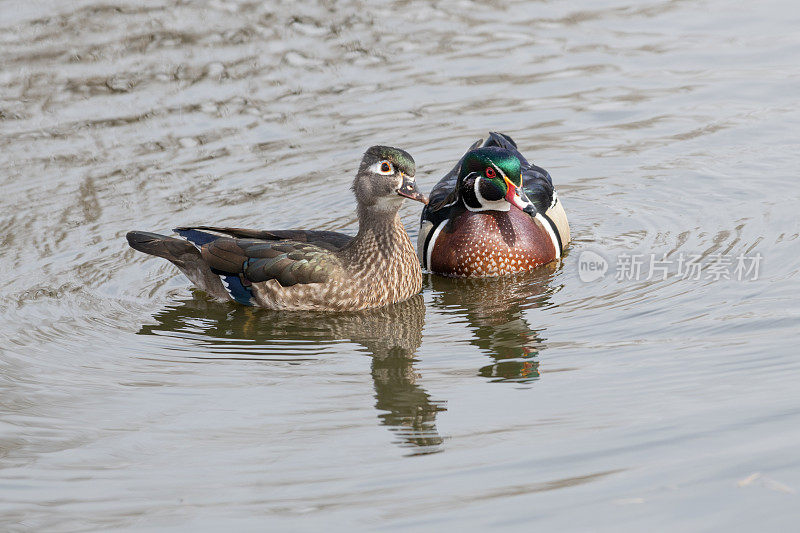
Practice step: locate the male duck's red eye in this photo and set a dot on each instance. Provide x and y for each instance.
(386, 167)
(490, 173)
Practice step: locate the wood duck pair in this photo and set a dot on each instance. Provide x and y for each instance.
(494, 214)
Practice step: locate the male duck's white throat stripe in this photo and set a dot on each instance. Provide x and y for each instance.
(551, 231)
(431, 242)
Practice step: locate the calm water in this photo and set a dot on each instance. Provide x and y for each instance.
(626, 403)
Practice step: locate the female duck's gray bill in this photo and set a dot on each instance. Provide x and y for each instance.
(409, 190)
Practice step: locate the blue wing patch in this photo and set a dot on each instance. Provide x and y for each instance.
(196, 237)
(237, 290)
(233, 283)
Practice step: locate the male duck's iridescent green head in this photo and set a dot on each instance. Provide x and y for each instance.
(491, 179)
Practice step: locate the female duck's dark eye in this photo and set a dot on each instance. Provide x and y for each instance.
(490, 173)
(386, 167)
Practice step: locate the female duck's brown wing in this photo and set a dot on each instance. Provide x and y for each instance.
(288, 262)
(240, 262)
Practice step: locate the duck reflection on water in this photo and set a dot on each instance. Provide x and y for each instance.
(392, 335)
(493, 308)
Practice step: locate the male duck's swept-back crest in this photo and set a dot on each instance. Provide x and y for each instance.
(494, 213)
(309, 270)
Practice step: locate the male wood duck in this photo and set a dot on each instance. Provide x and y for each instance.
(309, 270)
(493, 214)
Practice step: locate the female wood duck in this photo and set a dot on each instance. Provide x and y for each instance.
(309, 270)
(493, 214)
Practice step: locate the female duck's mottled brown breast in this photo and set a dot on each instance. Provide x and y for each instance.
(491, 243)
(386, 265)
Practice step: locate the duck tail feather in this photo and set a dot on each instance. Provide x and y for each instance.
(183, 255)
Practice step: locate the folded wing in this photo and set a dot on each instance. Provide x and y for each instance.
(243, 257)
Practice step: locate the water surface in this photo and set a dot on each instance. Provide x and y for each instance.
(130, 401)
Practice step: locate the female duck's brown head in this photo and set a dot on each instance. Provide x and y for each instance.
(385, 178)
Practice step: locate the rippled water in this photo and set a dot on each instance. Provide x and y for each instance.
(540, 400)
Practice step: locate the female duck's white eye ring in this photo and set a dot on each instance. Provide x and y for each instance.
(386, 168)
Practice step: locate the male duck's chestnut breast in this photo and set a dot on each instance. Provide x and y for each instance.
(491, 243)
